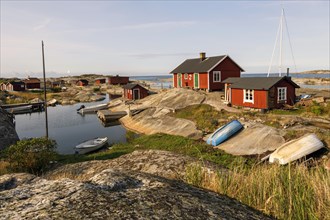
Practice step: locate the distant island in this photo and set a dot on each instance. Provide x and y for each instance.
(315, 72)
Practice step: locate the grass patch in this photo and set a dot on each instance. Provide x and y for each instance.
(176, 144)
(285, 192)
(205, 116)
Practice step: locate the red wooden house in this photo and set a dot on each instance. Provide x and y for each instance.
(118, 80)
(15, 86)
(82, 82)
(135, 91)
(100, 81)
(260, 92)
(205, 72)
(32, 83)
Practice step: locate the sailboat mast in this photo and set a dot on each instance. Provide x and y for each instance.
(281, 40)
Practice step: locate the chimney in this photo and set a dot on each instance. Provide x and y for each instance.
(202, 56)
(287, 71)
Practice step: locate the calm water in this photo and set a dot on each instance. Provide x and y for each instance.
(68, 127)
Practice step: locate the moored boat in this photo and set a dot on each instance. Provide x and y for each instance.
(92, 109)
(52, 102)
(225, 132)
(20, 109)
(296, 149)
(91, 145)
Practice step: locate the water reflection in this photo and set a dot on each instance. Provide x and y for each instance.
(68, 127)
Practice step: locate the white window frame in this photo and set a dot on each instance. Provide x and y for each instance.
(186, 76)
(216, 73)
(278, 94)
(251, 92)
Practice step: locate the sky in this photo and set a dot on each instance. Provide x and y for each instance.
(153, 37)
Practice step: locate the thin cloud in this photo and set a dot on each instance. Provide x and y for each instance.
(42, 25)
(166, 24)
(141, 26)
(155, 55)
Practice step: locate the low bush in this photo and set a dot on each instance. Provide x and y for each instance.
(32, 155)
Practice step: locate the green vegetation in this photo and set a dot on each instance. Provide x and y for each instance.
(32, 155)
(96, 89)
(205, 116)
(285, 192)
(166, 142)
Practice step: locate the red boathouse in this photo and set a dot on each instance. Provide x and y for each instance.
(260, 92)
(118, 80)
(205, 72)
(135, 91)
(32, 83)
(82, 82)
(15, 86)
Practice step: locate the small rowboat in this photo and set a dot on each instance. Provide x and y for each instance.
(296, 149)
(91, 145)
(225, 132)
(20, 109)
(92, 109)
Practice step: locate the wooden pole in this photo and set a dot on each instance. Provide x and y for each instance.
(45, 97)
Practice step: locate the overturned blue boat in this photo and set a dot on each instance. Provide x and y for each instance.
(225, 132)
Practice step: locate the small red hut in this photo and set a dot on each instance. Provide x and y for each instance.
(82, 82)
(135, 91)
(32, 83)
(118, 80)
(205, 72)
(260, 92)
(99, 81)
(15, 86)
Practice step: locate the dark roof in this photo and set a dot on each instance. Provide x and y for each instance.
(32, 80)
(16, 82)
(83, 80)
(261, 83)
(196, 65)
(132, 85)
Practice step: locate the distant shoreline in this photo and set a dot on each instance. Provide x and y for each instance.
(314, 72)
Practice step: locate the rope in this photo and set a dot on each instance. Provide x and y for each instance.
(287, 31)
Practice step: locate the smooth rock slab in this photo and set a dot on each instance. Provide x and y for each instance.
(115, 194)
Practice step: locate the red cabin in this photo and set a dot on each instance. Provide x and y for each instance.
(32, 83)
(82, 82)
(135, 91)
(205, 72)
(99, 81)
(118, 80)
(15, 86)
(260, 92)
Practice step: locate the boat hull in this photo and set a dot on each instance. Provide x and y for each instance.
(296, 149)
(91, 145)
(93, 109)
(225, 132)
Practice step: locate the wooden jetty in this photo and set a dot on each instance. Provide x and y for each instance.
(107, 115)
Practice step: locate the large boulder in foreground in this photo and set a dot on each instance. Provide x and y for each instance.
(114, 194)
(8, 135)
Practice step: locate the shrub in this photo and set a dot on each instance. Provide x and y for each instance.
(32, 155)
(96, 89)
(56, 89)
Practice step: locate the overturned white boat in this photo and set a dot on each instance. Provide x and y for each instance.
(296, 149)
(92, 109)
(91, 145)
(52, 102)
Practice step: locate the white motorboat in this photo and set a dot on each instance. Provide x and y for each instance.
(91, 145)
(92, 109)
(296, 149)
